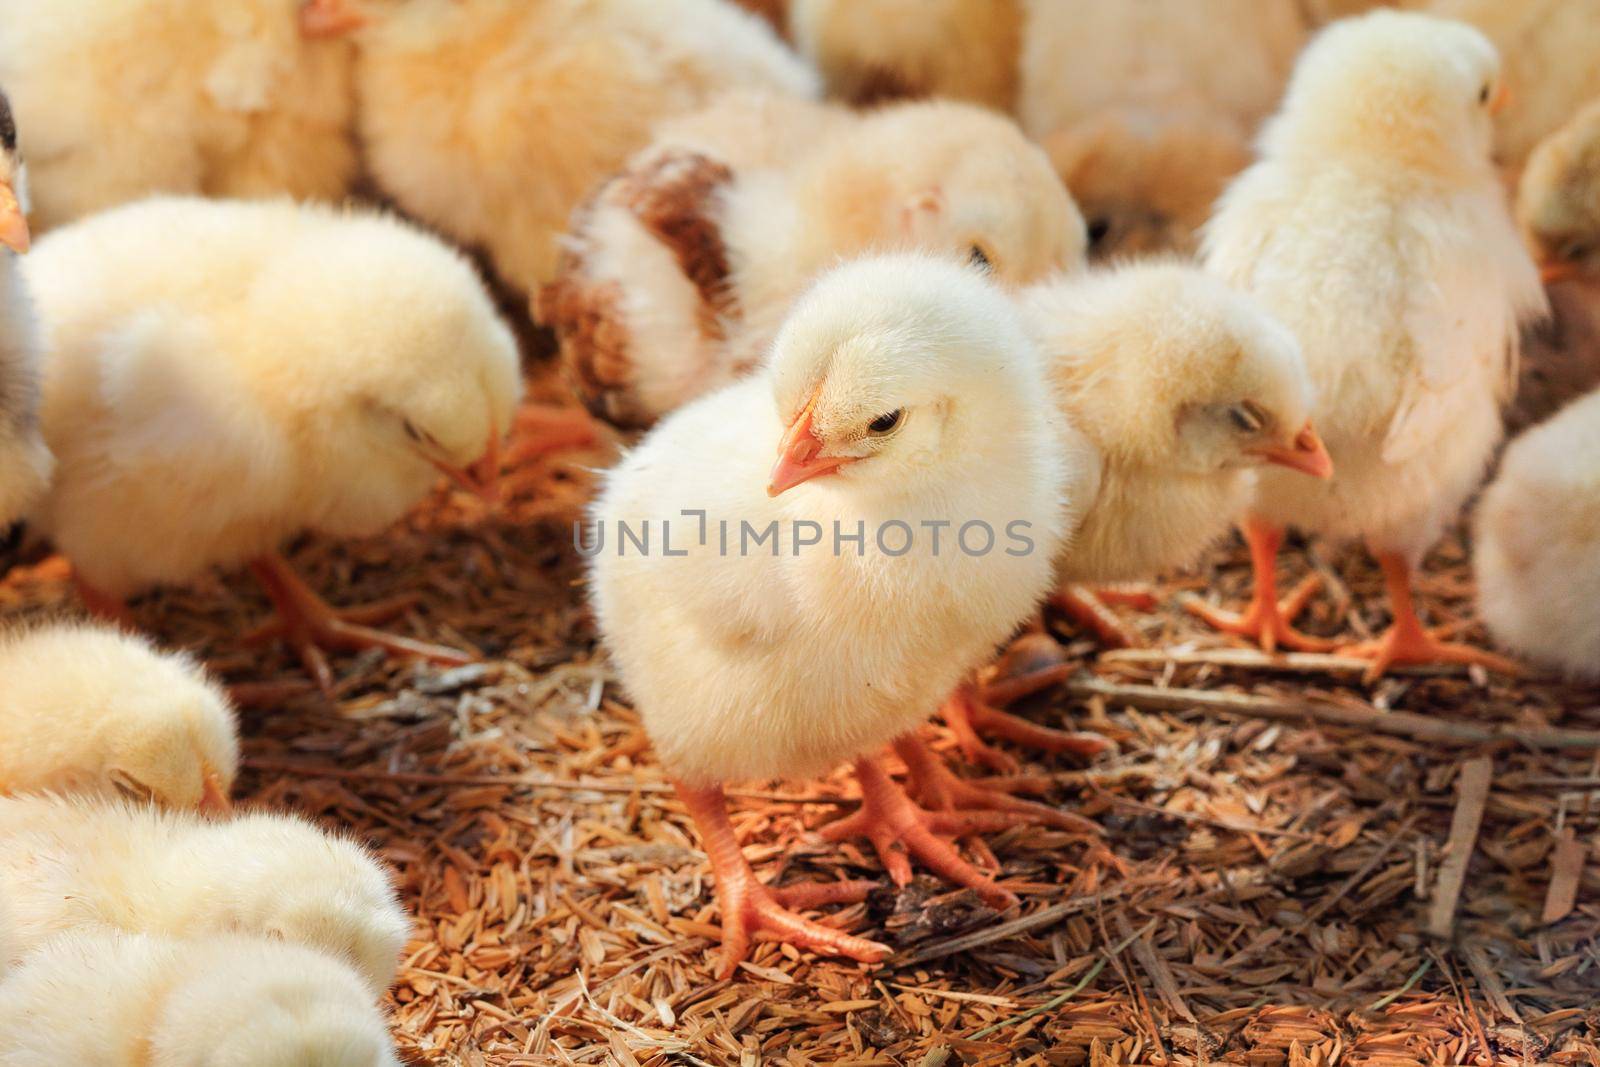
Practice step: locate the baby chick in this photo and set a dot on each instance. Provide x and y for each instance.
(1144, 180)
(119, 99)
(25, 461)
(872, 50)
(684, 266)
(901, 395)
(65, 862)
(1549, 49)
(1226, 57)
(1558, 199)
(221, 376)
(491, 119)
(98, 997)
(91, 710)
(1183, 389)
(1374, 226)
(1537, 547)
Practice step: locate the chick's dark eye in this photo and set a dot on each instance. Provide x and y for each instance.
(1483, 94)
(980, 259)
(412, 431)
(1098, 230)
(1247, 418)
(886, 423)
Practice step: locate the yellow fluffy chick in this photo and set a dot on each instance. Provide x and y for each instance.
(221, 376)
(25, 461)
(872, 50)
(119, 99)
(1145, 180)
(98, 997)
(683, 268)
(1558, 199)
(492, 119)
(1549, 48)
(1537, 550)
(1375, 227)
(66, 861)
(91, 710)
(1226, 57)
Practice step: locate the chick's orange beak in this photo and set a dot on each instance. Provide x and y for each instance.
(330, 18)
(1502, 98)
(1306, 454)
(799, 458)
(1557, 270)
(213, 798)
(481, 478)
(13, 227)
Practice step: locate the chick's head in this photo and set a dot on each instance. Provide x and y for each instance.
(1558, 199)
(13, 184)
(1408, 92)
(895, 372)
(293, 881)
(1165, 366)
(415, 373)
(949, 178)
(157, 727)
(245, 1002)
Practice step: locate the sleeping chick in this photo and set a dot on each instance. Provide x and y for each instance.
(221, 376)
(684, 266)
(491, 120)
(1375, 227)
(1549, 52)
(873, 50)
(1228, 58)
(1537, 550)
(25, 461)
(98, 997)
(119, 99)
(67, 861)
(99, 711)
(900, 392)
(1144, 180)
(1558, 199)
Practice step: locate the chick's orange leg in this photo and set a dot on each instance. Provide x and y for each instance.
(750, 910)
(970, 715)
(1088, 608)
(101, 604)
(309, 624)
(939, 789)
(899, 830)
(1407, 641)
(1266, 620)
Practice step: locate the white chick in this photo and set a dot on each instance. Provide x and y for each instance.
(119, 99)
(683, 268)
(1374, 226)
(1226, 57)
(92, 710)
(492, 119)
(221, 376)
(25, 461)
(98, 997)
(872, 50)
(1558, 199)
(67, 861)
(1549, 52)
(900, 393)
(1184, 389)
(1537, 547)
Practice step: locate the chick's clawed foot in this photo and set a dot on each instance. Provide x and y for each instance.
(309, 624)
(940, 789)
(1266, 621)
(753, 912)
(970, 716)
(1090, 608)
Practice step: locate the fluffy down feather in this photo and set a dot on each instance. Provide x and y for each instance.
(93, 710)
(1537, 551)
(492, 119)
(756, 662)
(97, 996)
(119, 99)
(871, 50)
(683, 268)
(65, 862)
(1375, 227)
(222, 376)
(1558, 198)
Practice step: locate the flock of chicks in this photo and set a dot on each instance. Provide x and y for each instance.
(826, 322)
